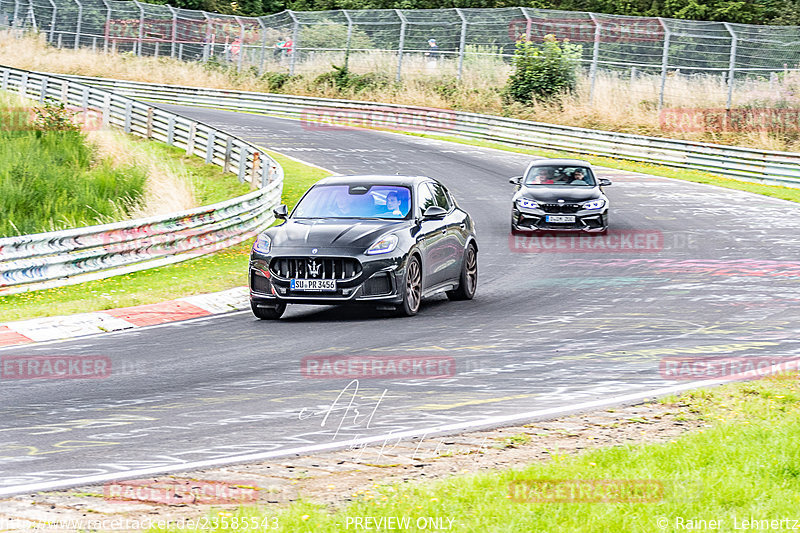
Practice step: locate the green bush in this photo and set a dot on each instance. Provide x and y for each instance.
(544, 72)
(343, 78)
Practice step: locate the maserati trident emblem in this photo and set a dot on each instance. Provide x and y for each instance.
(313, 268)
(314, 250)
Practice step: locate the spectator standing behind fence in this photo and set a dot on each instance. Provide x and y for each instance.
(432, 55)
(282, 49)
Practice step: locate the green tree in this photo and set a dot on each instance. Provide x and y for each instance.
(543, 71)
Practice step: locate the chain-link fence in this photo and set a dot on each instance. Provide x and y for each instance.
(665, 59)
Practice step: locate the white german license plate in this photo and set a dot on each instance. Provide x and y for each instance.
(313, 285)
(560, 218)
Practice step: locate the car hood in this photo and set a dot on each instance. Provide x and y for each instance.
(331, 233)
(554, 194)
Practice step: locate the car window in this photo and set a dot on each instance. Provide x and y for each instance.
(425, 198)
(560, 176)
(441, 196)
(357, 201)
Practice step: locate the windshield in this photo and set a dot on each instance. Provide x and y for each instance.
(355, 201)
(559, 176)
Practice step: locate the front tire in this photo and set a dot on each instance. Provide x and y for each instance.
(268, 313)
(468, 282)
(412, 296)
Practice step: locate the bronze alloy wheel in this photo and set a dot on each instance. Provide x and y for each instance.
(413, 293)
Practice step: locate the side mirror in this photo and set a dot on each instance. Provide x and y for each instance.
(516, 180)
(281, 212)
(604, 182)
(434, 212)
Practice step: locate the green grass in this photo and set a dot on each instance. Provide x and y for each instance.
(49, 180)
(745, 463)
(220, 271)
(784, 193)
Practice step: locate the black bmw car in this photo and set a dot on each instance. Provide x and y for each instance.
(559, 195)
(383, 240)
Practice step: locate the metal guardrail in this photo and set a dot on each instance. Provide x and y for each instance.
(762, 166)
(44, 260)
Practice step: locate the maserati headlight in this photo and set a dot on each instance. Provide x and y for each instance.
(594, 204)
(262, 245)
(527, 203)
(384, 245)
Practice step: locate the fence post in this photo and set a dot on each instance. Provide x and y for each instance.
(462, 43)
(190, 140)
(174, 30)
(295, 37)
(108, 26)
(595, 54)
(349, 38)
(241, 45)
(208, 38)
(242, 163)
(664, 62)
(171, 130)
(43, 91)
(528, 23)
(78, 25)
(263, 29)
(15, 21)
(228, 147)
(212, 138)
(106, 110)
(128, 112)
(731, 62)
(149, 122)
(141, 26)
(52, 22)
(401, 45)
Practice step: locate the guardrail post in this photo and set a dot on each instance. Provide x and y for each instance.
(128, 110)
(23, 84)
(731, 62)
(349, 38)
(65, 91)
(401, 44)
(462, 43)
(78, 25)
(664, 62)
(42, 90)
(4, 84)
(242, 163)
(254, 172)
(171, 130)
(149, 122)
(210, 147)
(190, 140)
(295, 38)
(141, 26)
(106, 110)
(228, 146)
(51, 33)
(58, 45)
(85, 100)
(174, 30)
(595, 55)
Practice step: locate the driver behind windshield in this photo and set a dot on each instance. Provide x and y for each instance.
(543, 176)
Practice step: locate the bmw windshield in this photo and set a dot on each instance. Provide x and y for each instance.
(355, 201)
(559, 176)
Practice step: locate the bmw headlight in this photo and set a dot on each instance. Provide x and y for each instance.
(594, 204)
(262, 245)
(527, 203)
(384, 245)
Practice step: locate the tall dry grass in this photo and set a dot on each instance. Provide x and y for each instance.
(619, 101)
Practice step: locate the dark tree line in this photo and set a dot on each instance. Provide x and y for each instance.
(783, 12)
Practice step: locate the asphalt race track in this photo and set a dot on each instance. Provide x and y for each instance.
(558, 325)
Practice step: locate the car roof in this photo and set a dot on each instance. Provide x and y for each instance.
(561, 162)
(373, 179)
